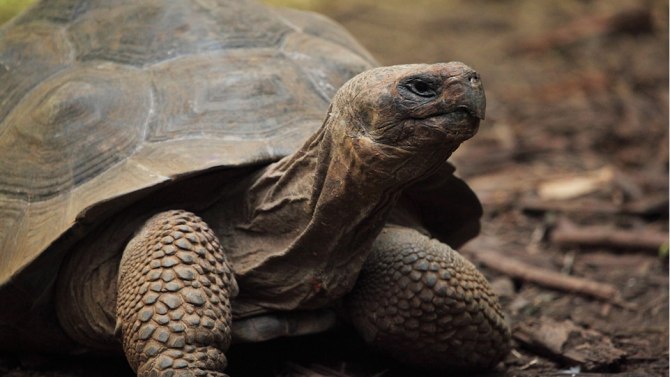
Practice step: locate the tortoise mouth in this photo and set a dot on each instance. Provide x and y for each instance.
(461, 122)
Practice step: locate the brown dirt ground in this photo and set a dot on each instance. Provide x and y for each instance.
(577, 92)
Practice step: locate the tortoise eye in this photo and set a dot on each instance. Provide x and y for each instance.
(421, 88)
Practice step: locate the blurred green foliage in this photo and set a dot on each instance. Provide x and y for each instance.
(10, 8)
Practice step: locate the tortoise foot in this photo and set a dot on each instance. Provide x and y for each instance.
(201, 362)
(429, 307)
(173, 306)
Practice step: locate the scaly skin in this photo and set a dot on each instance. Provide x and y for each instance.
(305, 227)
(173, 306)
(426, 305)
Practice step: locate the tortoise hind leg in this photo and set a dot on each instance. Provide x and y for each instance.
(426, 305)
(173, 305)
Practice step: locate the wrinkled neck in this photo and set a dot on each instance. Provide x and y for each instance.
(311, 219)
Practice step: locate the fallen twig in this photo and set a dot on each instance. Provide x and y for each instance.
(567, 233)
(651, 205)
(567, 341)
(550, 279)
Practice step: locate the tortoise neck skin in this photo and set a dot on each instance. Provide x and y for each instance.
(320, 209)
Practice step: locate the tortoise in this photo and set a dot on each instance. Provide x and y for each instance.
(179, 175)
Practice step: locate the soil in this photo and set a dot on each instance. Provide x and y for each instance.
(576, 138)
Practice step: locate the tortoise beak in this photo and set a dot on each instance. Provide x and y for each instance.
(471, 97)
(477, 98)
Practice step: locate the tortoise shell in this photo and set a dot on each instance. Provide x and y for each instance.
(91, 112)
(95, 117)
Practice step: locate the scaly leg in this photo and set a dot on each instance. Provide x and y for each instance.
(173, 306)
(428, 306)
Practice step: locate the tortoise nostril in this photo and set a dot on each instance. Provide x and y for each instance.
(473, 78)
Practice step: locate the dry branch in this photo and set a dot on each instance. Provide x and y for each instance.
(652, 205)
(567, 233)
(548, 278)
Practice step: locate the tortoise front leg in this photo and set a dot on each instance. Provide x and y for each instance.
(173, 306)
(429, 307)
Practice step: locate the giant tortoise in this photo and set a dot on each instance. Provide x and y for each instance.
(176, 175)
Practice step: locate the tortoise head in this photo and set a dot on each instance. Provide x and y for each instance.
(416, 115)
